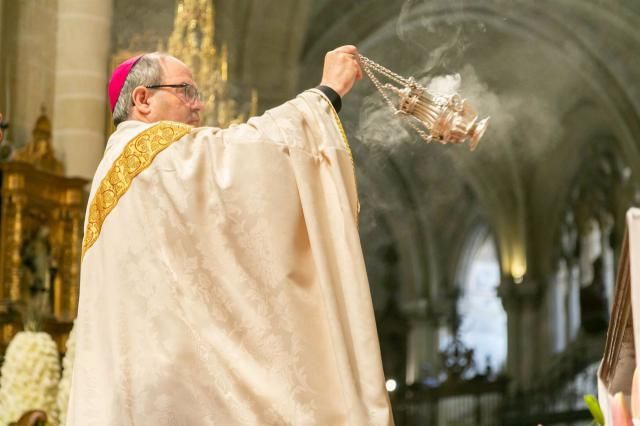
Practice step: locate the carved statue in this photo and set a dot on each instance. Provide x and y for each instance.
(38, 269)
(39, 151)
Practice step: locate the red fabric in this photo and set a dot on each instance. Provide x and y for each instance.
(118, 78)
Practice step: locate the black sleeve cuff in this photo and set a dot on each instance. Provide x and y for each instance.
(335, 99)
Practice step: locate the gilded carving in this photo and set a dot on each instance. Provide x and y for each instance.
(36, 198)
(39, 151)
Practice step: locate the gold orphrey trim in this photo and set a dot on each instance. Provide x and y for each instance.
(348, 147)
(136, 156)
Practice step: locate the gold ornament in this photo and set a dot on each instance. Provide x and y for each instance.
(193, 42)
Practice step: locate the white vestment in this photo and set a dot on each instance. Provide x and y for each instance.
(621, 347)
(223, 281)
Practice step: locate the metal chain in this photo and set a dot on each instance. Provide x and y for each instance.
(369, 66)
(368, 63)
(367, 69)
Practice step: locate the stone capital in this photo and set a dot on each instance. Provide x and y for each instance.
(519, 295)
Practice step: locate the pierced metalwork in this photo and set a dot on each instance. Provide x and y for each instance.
(445, 119)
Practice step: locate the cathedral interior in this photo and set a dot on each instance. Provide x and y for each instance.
(492, 272)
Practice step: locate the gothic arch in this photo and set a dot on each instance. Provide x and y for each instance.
(372, 25)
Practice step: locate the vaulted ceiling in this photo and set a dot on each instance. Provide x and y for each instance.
(558, 78)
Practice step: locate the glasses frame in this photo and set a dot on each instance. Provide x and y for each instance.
(193, 98)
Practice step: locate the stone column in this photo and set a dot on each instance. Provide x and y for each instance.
(422, 347)
(28, 65)
(422, 339)
(511, 303)
(574, 301)
(1, 22)
(80, 105)
(521, 302)
(530, 337)
(560, 291)
(607, 224)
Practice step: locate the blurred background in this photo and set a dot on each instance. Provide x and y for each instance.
(492, 272)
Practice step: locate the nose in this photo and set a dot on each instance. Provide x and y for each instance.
(198, 105)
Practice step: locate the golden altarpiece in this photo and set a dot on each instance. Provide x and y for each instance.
(41, 219)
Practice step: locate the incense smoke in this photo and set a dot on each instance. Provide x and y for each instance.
(521, 120)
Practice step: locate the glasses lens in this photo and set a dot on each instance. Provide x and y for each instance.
(191, 93)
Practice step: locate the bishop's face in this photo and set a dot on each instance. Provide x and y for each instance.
(175, 103)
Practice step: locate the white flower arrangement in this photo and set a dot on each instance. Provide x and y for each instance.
(30, 376)
(65, 382)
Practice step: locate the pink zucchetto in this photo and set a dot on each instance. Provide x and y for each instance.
(118, 78)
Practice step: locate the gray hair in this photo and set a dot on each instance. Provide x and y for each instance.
(146, 72)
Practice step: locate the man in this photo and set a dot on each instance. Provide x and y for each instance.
(222, 278)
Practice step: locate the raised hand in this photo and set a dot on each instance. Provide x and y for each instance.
(341, 69)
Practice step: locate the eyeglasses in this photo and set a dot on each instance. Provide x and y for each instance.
(191, 94)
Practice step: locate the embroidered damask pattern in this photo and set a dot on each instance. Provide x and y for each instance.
(136, 156)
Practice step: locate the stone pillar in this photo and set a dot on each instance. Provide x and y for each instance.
(522, 303)
(511, 303)
(82, 58)
(607, 224)
(422, 347)
(530, 337)
(1, 23)
(560, 291)
(29, 69)
(574, 301)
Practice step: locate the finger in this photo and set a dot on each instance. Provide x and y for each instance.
(347, 59)
(358, 71)
(351, 49)
(351, 56)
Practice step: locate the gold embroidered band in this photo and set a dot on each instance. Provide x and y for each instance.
(136, 156)
(348, 147)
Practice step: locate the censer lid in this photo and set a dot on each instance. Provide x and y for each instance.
(445, 119)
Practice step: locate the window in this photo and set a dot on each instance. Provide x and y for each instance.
(483, 324)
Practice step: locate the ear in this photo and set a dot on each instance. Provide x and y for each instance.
(140, 97)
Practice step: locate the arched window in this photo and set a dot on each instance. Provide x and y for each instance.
(483, 321)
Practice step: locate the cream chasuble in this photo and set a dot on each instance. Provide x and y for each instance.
(223, 281)
(621, 355)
